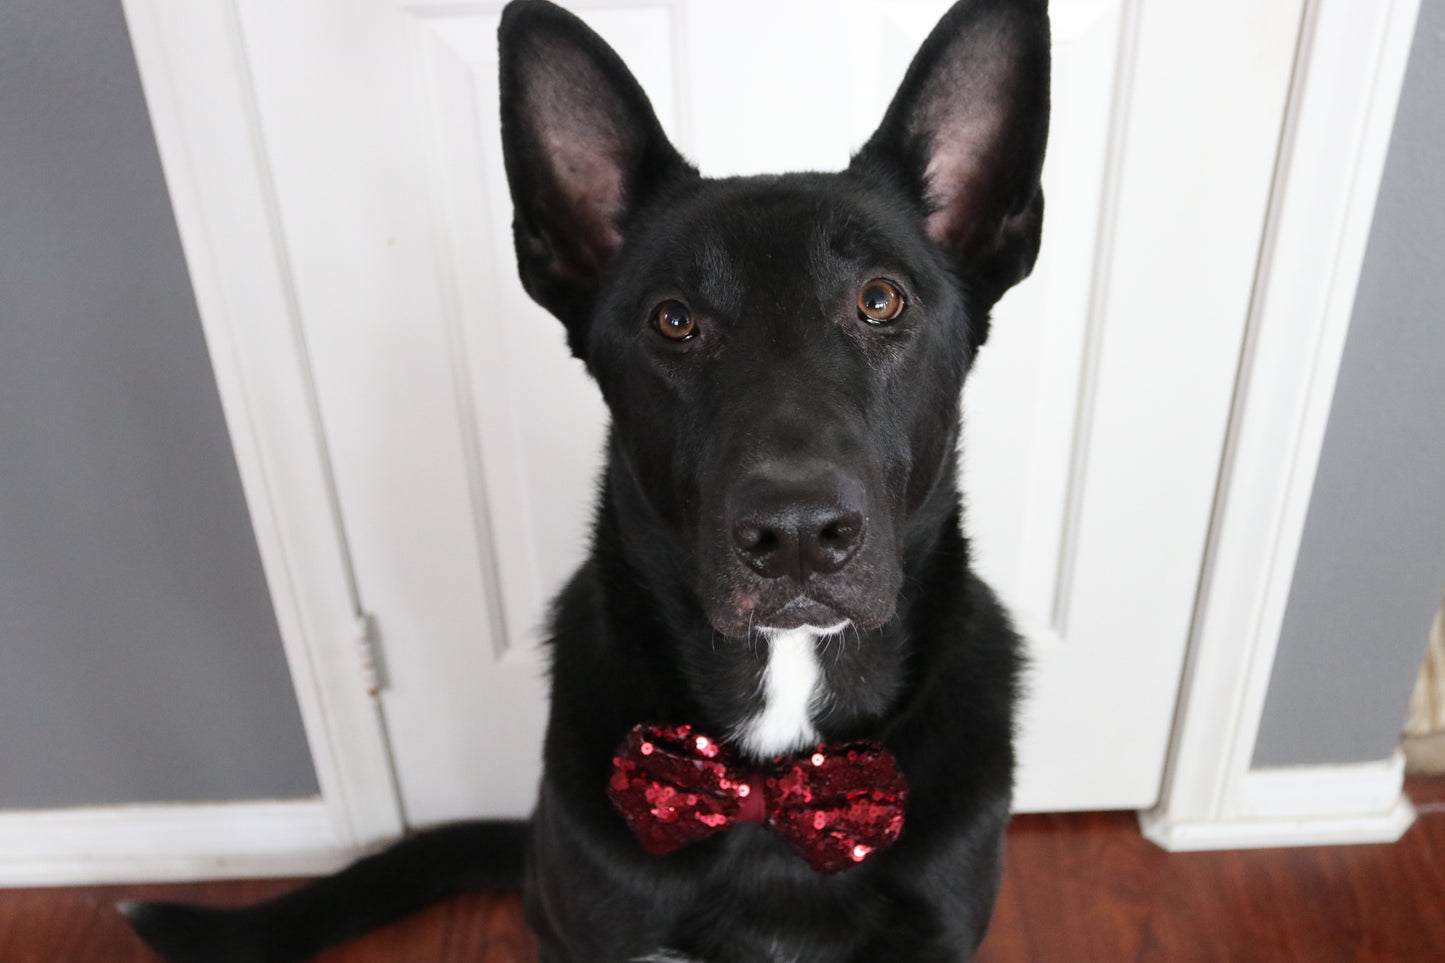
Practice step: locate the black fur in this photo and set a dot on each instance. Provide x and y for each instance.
(788, 464)
(411, 875)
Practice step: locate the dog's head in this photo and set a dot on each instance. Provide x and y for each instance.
(783, 356)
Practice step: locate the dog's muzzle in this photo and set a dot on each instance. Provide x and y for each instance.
(796, 545)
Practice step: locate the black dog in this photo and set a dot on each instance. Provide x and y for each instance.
(778, 560)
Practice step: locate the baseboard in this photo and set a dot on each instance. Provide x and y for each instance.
(1328, 792)
(167, 843)
(1272, 833)
(1298, 806)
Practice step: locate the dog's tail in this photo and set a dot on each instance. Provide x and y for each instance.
(413, 874)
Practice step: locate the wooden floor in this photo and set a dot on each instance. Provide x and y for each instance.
(1078, 888)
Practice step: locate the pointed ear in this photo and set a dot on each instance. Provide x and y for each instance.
(965, 133)
(583, 150)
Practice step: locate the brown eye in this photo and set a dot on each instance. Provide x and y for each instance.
(879, 302)
(674, 320)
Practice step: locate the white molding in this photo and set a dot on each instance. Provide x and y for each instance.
(166, 843)
(1350, 69)
(1322, 792)
(516, 505)
(457, 55)
(1186, 837)
(1180, 263)
(1106, 233)
(1300, 806)
(193, 68)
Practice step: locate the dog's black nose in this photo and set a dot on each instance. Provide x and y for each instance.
(794, 529)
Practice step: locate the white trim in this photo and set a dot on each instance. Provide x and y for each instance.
(1185, 837)
(193, 68)
(1110, 207)
(1322, 792)
(1300, 806)
(163, 843)
(1194, 197)
(1348, 77)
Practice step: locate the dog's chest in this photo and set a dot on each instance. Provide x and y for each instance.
(792, 691)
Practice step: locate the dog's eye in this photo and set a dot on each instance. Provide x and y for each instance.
(674, 321)
(879, 302)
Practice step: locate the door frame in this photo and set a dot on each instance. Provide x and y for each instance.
(193, 68)
(193, 72)
(1350, 67)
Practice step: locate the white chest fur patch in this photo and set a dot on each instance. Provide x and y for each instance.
(793, 691)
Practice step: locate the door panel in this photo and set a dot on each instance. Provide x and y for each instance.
(465, 439)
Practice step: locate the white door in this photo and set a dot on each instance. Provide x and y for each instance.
(464, 439)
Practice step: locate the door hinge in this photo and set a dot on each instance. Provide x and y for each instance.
(368, 654)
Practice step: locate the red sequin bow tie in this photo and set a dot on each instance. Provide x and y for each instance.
(835, 805)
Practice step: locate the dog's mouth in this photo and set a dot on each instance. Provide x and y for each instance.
(745, 612)
(817, 631)
(800, 612)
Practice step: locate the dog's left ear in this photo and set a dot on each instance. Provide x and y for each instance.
(966, 132)
(583, 150)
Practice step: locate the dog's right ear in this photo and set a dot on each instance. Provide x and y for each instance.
(584, 151)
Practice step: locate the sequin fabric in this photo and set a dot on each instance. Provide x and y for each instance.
(836, 805)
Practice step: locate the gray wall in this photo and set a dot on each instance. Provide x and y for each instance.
(139, 656)
(1372, 563)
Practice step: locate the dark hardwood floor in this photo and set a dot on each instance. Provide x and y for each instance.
(1078, 888)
